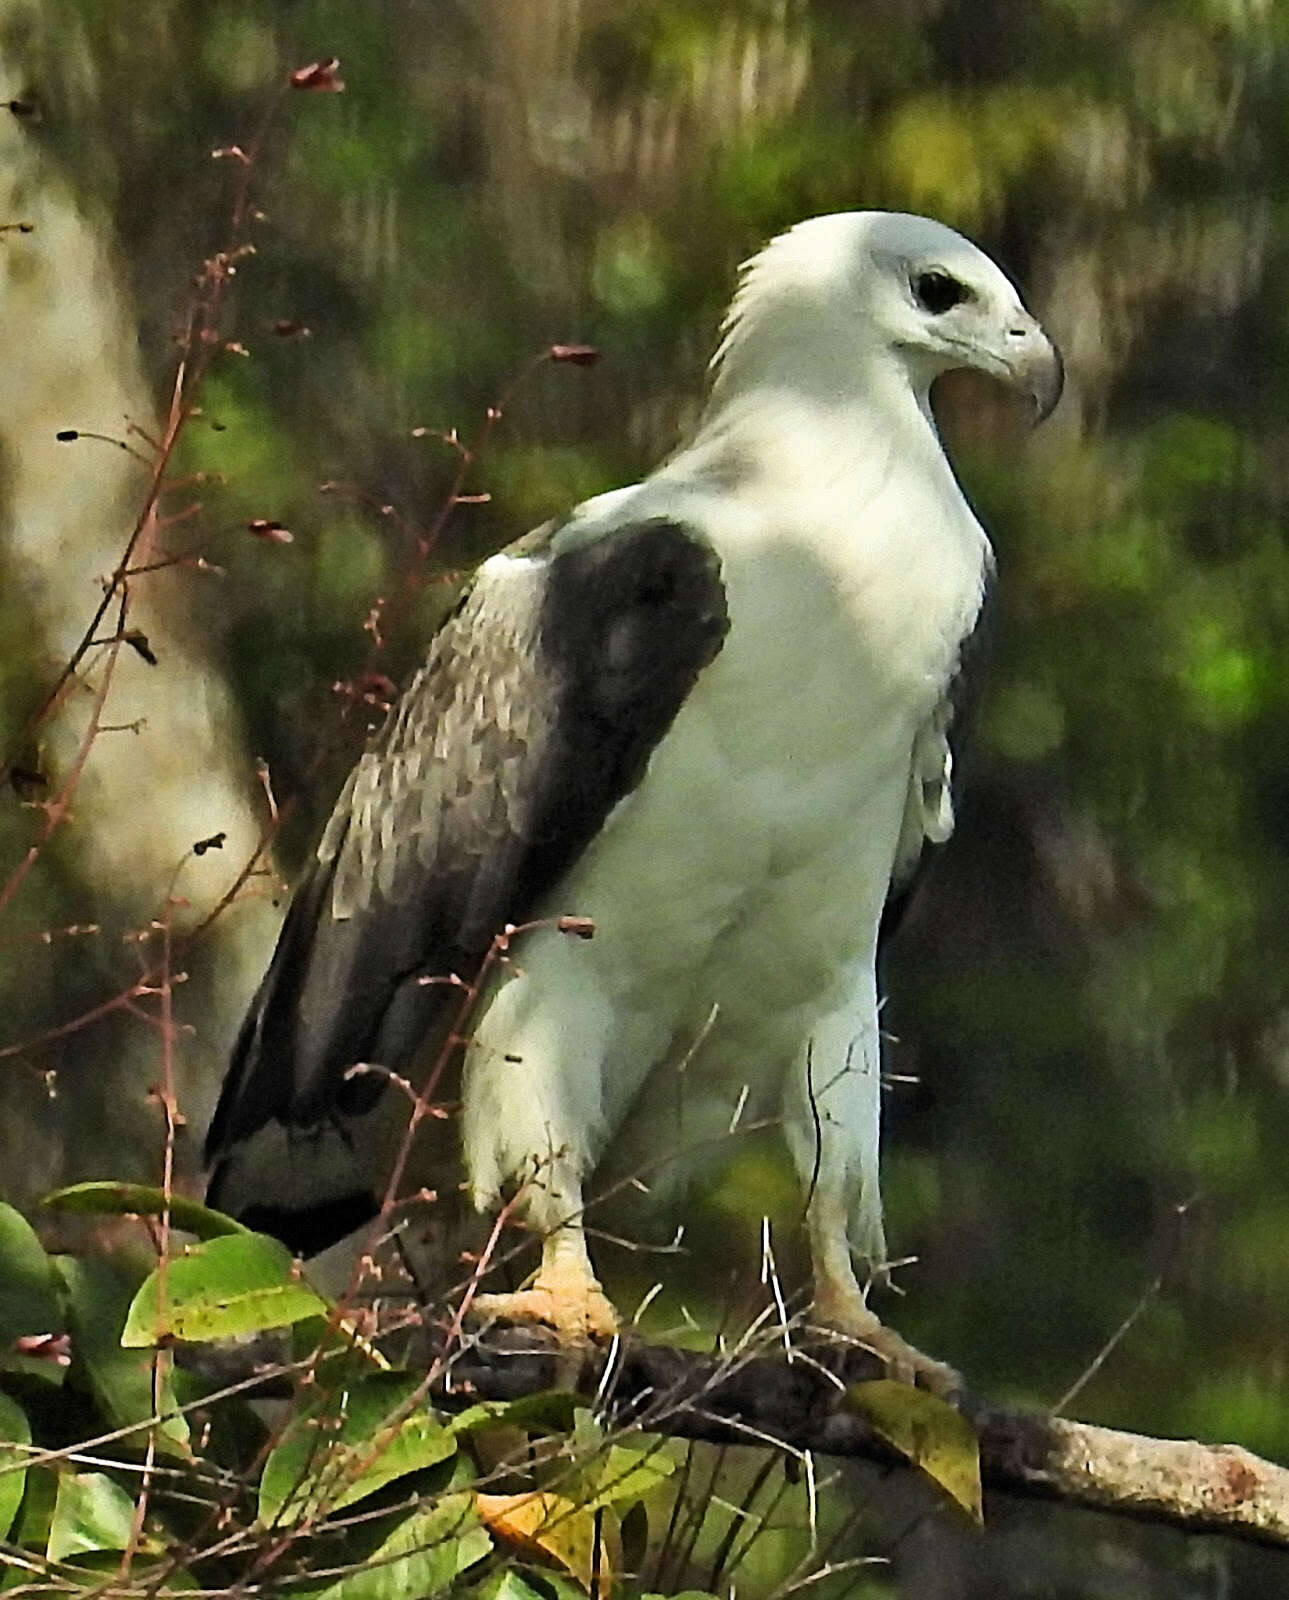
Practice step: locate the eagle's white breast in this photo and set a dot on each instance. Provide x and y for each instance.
(744, 877)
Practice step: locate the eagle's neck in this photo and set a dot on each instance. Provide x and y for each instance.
(833, 454)
(797, 364)
(823, 433)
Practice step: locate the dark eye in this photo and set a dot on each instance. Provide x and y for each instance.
(937, 292)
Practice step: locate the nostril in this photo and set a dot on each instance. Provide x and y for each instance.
(1018, 333)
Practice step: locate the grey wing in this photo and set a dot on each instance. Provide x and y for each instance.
(538, 707)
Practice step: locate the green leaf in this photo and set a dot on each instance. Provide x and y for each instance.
(547, 1411)
(120, 1380)
(28, 1291)
(623, 1472)
(39, 1368)
(176, 1580)
(336, 1347)
(422, 1557)
(143, 1200)
(147, 1577)
(558, 1588)
(588, 1432)
(346, 1447)
(221, 1289)
(15, 1430)
(36, 1515)
(928, 1432)
(92, 1512)
(505, 1586)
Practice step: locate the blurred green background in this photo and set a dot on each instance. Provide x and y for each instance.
(1093, 990)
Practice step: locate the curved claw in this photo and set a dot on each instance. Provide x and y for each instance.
(577, 1311)
(851, 1318)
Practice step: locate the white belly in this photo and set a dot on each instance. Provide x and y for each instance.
(735, 887)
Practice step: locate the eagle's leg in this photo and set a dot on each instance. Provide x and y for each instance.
(840, 1305)
(565, 1294)
(531, 1099)
(832, 1118)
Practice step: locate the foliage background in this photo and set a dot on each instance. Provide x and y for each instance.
(1092, 993)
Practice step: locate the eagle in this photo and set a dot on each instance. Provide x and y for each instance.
(710, 714)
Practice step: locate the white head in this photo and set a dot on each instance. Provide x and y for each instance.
(836, 300)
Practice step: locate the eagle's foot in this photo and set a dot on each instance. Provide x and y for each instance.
(850, 1317)
(578, 1312)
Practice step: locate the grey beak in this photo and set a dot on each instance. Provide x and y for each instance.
(1036, 367)
(1048, 382)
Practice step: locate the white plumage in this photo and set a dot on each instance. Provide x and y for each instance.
(738, 872)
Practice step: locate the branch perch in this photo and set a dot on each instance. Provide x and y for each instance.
(800, 1405)
(765, 1399)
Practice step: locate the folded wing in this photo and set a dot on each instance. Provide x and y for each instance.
(542, 698)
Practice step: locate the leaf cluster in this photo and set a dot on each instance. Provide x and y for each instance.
(118, 1461)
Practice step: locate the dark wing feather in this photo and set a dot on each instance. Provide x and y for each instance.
(542, 698)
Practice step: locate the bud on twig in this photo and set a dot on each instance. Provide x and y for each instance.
(319, 76)
(578, 355)
(270, 531)
(138, 642)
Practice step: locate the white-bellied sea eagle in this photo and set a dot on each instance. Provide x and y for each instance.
(708, 712)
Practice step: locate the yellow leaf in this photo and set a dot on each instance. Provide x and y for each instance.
(582, 1541)
(928, 1432)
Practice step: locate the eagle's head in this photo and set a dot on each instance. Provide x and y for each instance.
(839, 291)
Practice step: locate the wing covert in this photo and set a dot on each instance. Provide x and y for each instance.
(540, 701)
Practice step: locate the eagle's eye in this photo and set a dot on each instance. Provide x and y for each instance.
(937, 292)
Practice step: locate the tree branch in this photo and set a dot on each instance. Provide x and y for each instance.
(765, 1399)
(1202, 1487)
(760, 1397)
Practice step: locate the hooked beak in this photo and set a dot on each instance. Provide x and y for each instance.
(1034, 364)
